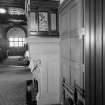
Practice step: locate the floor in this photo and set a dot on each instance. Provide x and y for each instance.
(13, 82)
(11, 60)
(13, 85)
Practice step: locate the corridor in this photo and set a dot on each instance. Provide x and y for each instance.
(13, 85)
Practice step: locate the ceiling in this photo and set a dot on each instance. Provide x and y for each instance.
(11, 3)
(9, 17)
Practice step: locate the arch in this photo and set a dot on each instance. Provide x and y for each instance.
(15, 31)
(15, 26)
(15, 36)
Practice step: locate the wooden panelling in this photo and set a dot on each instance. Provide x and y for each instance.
(63, 23)
(71, 19)
(48, 75)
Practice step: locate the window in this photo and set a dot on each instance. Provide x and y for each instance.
(53, 22)
(43, 21)
(16, 41)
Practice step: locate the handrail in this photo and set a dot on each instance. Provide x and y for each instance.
(70, 92)
(70, 89)
(80, 90)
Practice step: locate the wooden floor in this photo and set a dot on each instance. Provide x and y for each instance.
(13, 82)
(11, 60)
(13, 85)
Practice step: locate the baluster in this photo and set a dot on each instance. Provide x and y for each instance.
(75, 94)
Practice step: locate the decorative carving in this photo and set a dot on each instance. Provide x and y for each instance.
(43, 21)
(37, 64)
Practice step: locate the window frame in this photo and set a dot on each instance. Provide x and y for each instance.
(16, 41)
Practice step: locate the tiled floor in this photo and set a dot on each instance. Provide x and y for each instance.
(13, 85)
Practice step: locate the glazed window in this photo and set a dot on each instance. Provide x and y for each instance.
(53, 22)
(16, 41)
(43, 21)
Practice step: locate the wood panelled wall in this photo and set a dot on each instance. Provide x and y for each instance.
(94, 50)
(72, 43)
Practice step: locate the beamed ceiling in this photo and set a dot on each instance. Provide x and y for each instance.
(7, 18)
(12, 3)
(10, 18)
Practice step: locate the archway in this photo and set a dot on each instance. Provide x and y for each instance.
(16, 40)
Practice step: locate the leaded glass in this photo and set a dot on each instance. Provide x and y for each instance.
(43, 21)
(20, 44)
(11, 44)
(53, 22)
(15, 39)
(16, 42)
(20, 39)
(10, 39)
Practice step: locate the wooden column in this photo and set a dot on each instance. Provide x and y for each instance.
(94, 52)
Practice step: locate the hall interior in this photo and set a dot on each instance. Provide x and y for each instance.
(52, 33)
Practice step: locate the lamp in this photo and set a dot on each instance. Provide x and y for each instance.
(2, 10)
